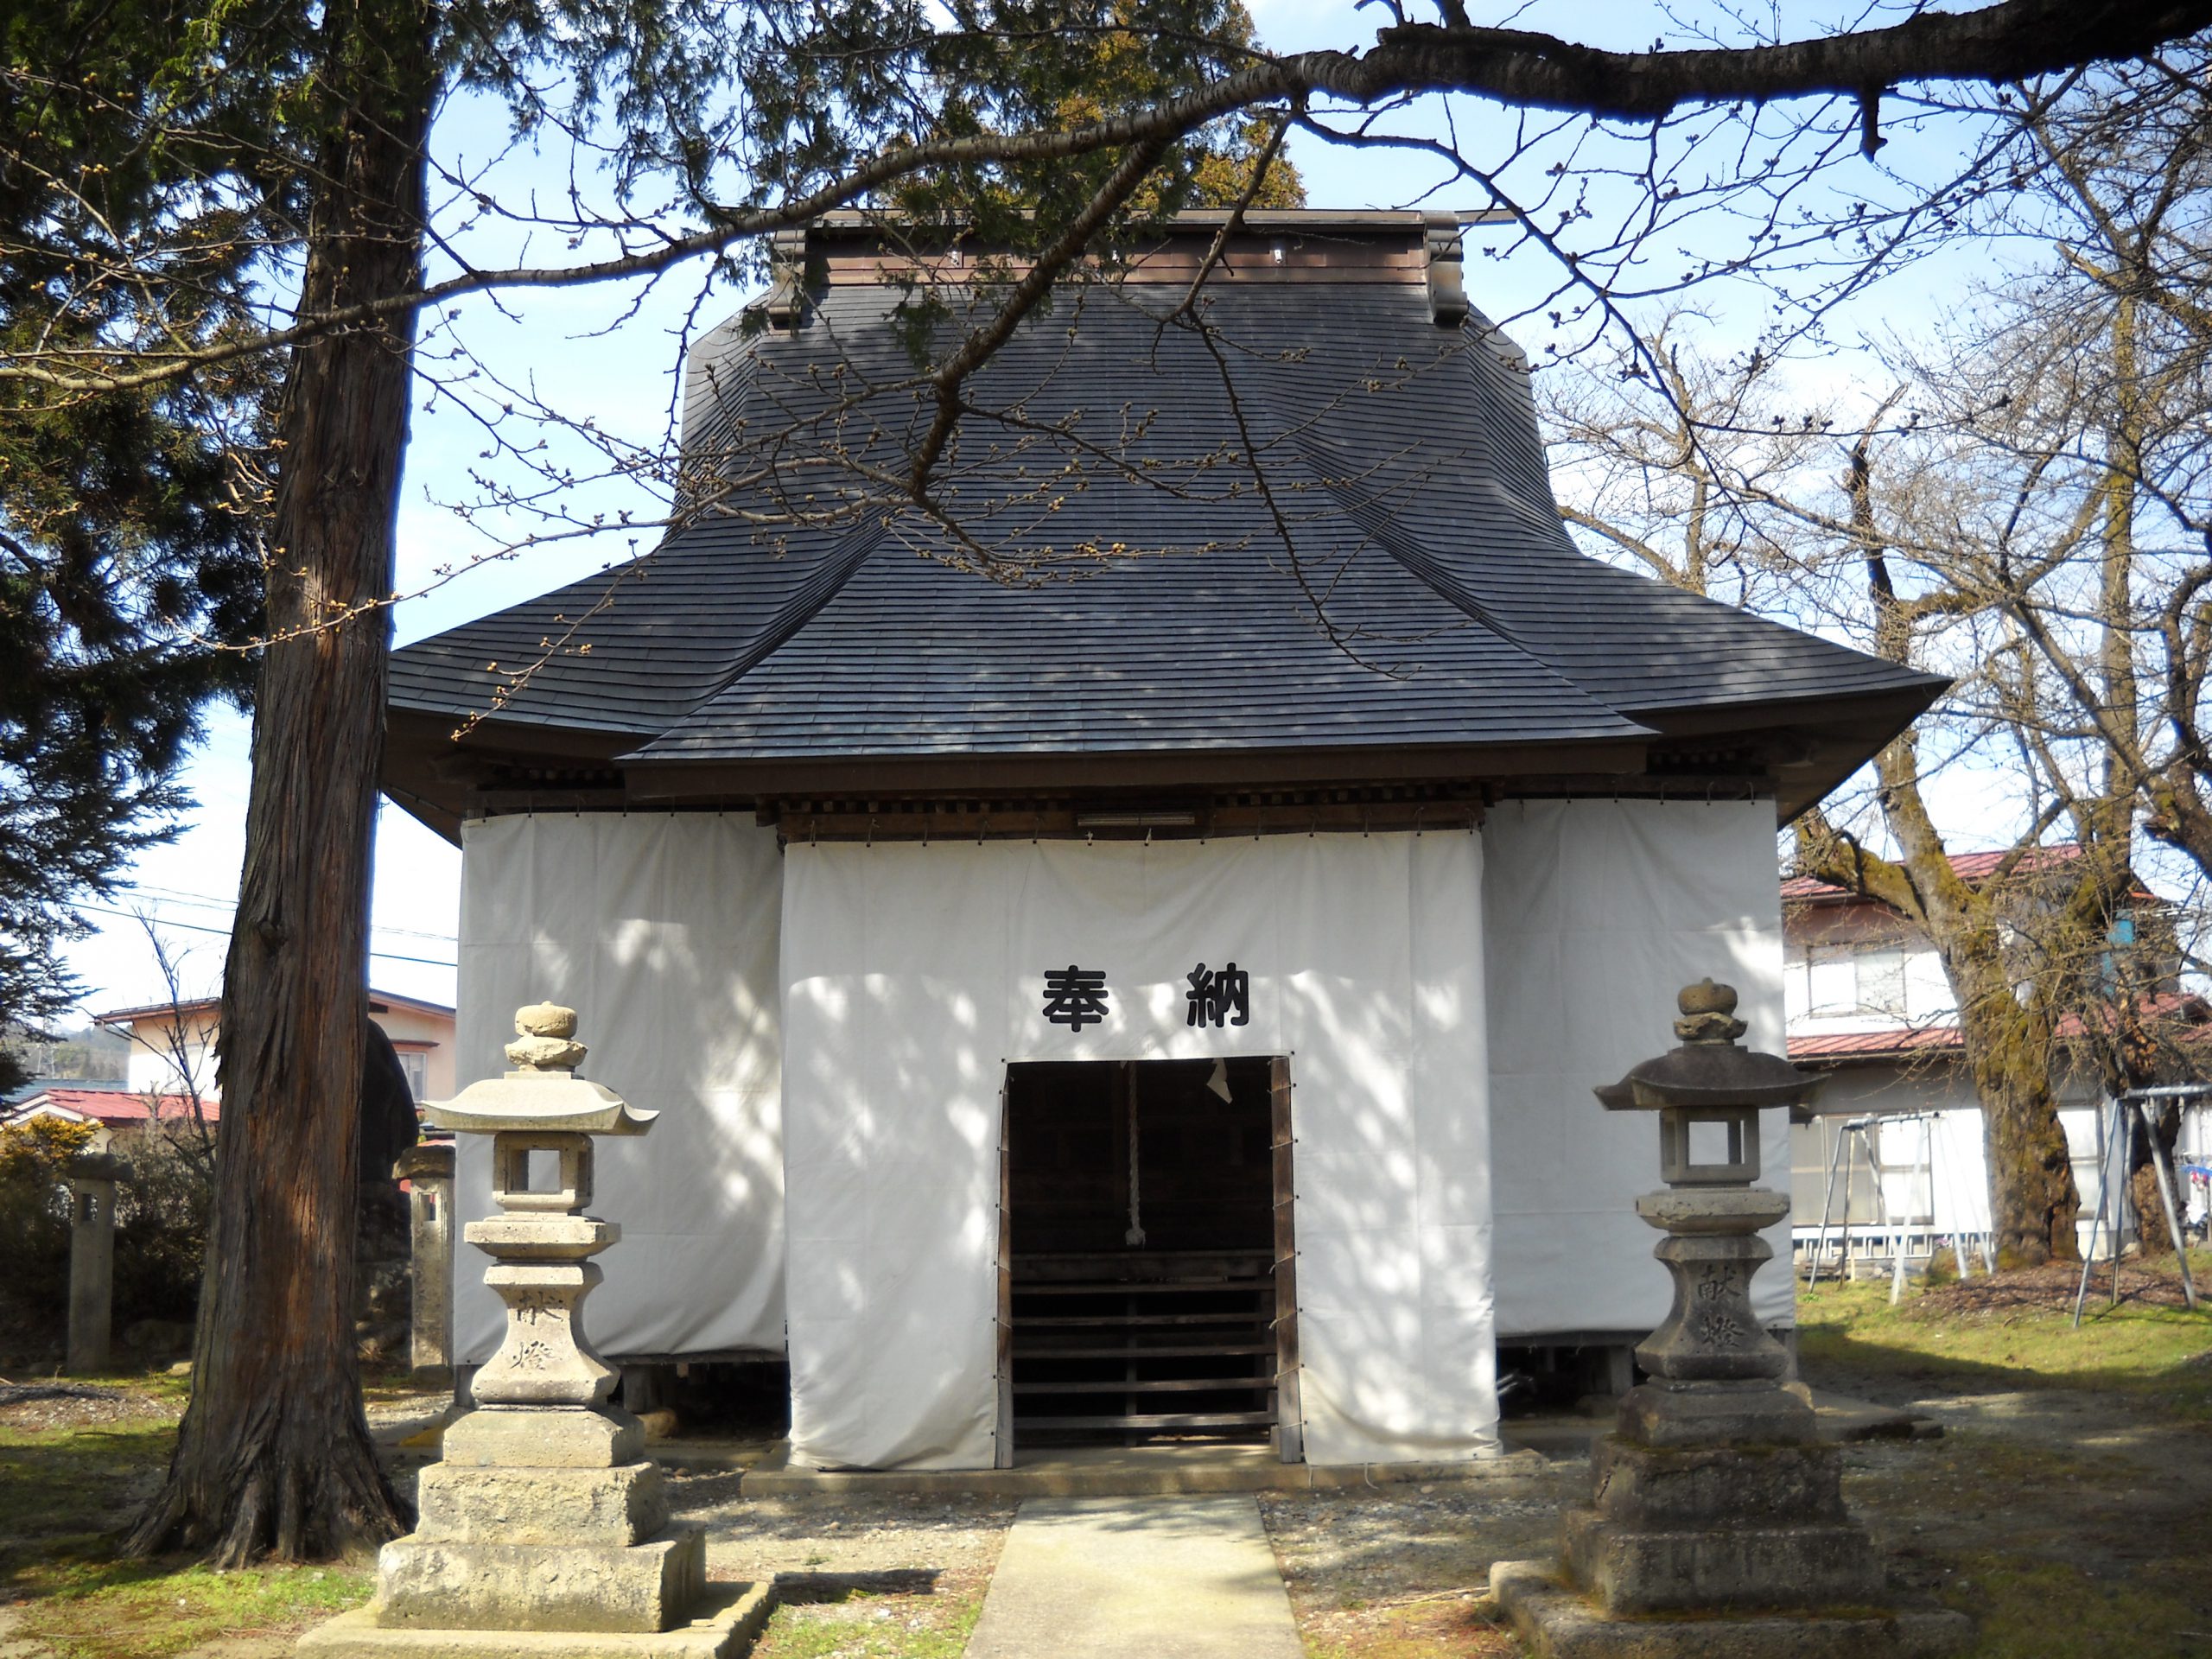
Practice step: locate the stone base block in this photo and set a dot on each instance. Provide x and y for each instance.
(1654, 1414)
(1556, 1624)
(459, 1505)
(544, 1437)
(644, 1587)
(1685, 1486)
(1637, 1570)
(724, 1625)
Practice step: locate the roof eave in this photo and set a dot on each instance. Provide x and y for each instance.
(679, 783)
(1825, 739)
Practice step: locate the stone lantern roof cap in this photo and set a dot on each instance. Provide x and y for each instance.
(1708, 1069)
(542, 1092)
(99, 1166)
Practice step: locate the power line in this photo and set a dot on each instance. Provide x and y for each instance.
(225, 933)
(208, 901)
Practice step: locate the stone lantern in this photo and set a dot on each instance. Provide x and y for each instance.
(1716, 1522)
(544, 1516)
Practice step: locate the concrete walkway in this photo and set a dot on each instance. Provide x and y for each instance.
(1172, 1578)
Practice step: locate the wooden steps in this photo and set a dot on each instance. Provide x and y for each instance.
(1099, 1337)
(1147, 1351)
(1139, 1422)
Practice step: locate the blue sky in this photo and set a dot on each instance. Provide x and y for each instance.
(611, 353)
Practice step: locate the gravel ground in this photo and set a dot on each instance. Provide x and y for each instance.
(62, 1405)
(862, 1576)
(895, 1542)
(1398, 1570)
(81, 1405)
(1403, 1570)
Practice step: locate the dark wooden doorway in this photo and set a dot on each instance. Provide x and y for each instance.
(1146, 1254)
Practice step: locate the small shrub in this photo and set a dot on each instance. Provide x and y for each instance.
(35, 1223)
(161, 1233)
(160, 1228)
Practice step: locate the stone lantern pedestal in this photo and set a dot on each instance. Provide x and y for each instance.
(544, 1530)
(1715, 1526)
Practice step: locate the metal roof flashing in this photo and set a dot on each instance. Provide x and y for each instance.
(1394, 246)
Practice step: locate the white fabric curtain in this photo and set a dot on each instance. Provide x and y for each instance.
(660, 930)
(910, 976)
(914, 975)
(1598, 912)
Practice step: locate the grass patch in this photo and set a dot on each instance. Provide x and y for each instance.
(146, 1609)
(2161, 1355)
(2053, 1609)
(63, 1494)
(863, 1625)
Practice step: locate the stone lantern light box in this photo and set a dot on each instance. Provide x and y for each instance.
(1709, 1081)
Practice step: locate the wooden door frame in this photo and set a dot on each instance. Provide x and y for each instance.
(1290, 1419)
(1002, 1456)
(1290, 1416)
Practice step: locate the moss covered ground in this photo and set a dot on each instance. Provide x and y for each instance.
(68, 1481)
(2017, 1331)
(2069, 1506)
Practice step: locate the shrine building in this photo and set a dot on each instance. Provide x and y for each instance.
(1127, 953)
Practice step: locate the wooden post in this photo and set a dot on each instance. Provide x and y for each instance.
(1290, 1417)
(1002, 1456)
(93, 1177)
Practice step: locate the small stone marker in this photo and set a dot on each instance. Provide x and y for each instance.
(1716, 1523)
(427, 1167)
(545, 1529)
(92, 1178)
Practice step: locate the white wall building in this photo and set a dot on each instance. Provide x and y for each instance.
(1868, 1002)
(1131, 1001)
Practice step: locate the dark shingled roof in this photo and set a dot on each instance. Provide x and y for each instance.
(1399, 575)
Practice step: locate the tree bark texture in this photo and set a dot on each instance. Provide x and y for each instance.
(2150, 1208)
(274, 1456)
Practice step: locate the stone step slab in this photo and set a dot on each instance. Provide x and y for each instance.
(519, 1437)
(724, 1626)
(457, 1504)
(1556, 1624)
(645, 1587)
(1133, 1578)
(1635, 1570)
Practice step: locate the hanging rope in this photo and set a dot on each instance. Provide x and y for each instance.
(1135, 1237)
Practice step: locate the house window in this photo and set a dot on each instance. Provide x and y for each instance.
(1832, 987)
(416, 1065)
(1881, 983)
(1841, 981)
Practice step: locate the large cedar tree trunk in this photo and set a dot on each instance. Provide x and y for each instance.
(274, 1456)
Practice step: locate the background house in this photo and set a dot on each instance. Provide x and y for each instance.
(112, 1111)
(1867, 1002)
(173, 1043)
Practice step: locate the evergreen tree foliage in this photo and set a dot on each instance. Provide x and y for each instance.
(129, 520)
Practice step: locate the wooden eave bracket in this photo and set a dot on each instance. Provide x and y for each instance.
(1447, 288)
